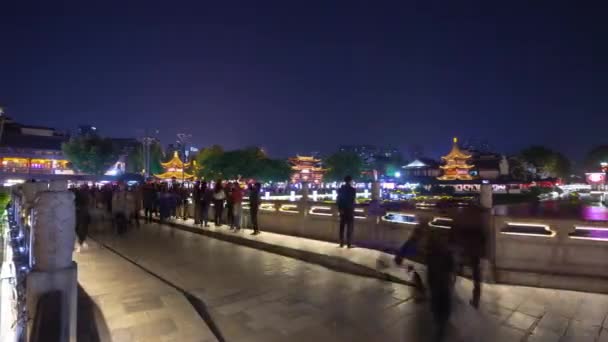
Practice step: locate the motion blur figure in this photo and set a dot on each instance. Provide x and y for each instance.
(440, 270)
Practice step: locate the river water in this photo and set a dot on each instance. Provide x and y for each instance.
(556, 209)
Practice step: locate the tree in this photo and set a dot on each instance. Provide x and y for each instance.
(545, 162)
(275, 170)
(250, 162)
(135, 159)
(342, 164)
(209, 161)
(90, 154)
(595, 157)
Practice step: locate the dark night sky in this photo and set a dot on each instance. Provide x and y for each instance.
(300, 76)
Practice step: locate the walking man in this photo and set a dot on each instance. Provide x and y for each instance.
(254, 205)
(346, 207)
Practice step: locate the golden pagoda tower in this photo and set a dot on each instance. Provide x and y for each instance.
(306, 169)
(456, 164)
(175, 168)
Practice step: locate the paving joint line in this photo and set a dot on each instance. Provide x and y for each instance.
(192, 300)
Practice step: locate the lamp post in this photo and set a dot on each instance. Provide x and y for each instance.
(182, 139)
(2, 117)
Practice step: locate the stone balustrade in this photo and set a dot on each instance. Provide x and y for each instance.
(556, 253)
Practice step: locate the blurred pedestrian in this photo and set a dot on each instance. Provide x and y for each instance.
(229, 205)
(254, 205)
(219, 196)
(149, 195)
(468, 240)
(207, 199)
(237, 206)
(83, 217)
(440, 274)
(196, 200)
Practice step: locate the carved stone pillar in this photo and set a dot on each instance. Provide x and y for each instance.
(53, 227)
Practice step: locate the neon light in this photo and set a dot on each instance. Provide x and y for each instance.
(529, 224)
(267, 207)
(288, 208)
(589, 229)
(388, 218)
(361, 211)
(431, 224)
(316, 207)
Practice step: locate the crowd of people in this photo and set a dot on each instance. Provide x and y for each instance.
(218, 202)
(221, 203)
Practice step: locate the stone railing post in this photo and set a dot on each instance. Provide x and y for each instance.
(53, 231)
(303, 205)
(376, 191)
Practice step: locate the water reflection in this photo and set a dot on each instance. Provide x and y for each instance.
(556, 209)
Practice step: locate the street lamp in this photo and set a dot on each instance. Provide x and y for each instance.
(183, 138)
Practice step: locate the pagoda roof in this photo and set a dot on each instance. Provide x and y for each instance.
(314, 169)
(456, 166)
(174, 174)
(305, 158)
(456, 152)
(175, 162)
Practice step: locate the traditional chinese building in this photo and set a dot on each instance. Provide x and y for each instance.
(307, 169)
(31, 152)
(175, 169)
(456, 165)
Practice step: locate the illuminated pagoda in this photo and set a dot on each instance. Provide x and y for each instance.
(456, 164)
(307, 169)
(175, 169)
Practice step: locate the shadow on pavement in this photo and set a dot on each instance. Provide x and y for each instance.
(91, 325)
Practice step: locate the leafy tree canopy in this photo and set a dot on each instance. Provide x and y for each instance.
(90, 154)
(597, 155)
(135, 159)
(342, 164)
(251, 162)
(546, 162)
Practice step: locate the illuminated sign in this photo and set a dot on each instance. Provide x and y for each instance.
(596, 178)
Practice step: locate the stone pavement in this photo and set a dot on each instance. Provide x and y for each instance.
(251, 295)
(120, 302)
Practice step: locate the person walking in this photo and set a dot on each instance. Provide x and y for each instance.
(164, 203)
(440, 274)
(82, 216)
(219, 196)
(237, 206)
(254, 205)
(468, 241)
(206, 200)
(149, 200)
(196, 199)
(346, 206)
(120, 208)
(229, 205)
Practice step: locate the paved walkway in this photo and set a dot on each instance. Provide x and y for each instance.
(120, 302)
(251, 295)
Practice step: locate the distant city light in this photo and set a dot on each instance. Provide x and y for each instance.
(398, 174)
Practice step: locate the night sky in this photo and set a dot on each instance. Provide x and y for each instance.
(301, 76)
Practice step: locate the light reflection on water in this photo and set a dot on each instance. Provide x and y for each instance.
(555, 209)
